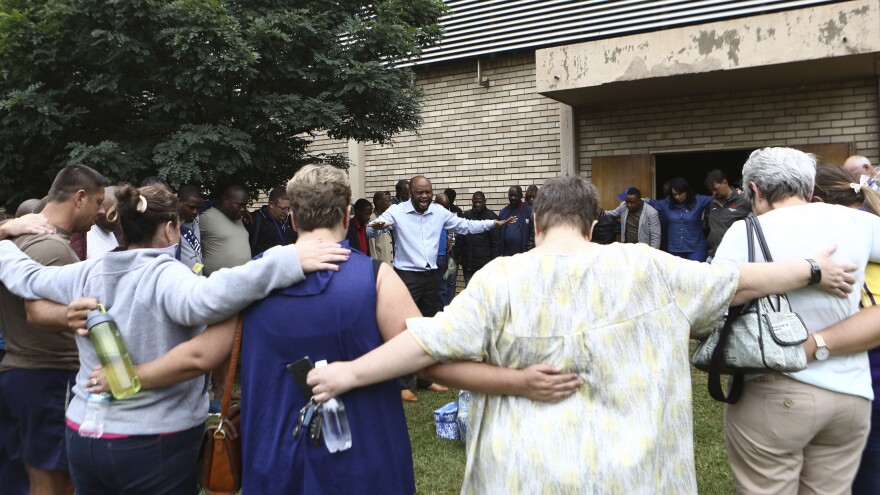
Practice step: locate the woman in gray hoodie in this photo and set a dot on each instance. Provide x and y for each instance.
(151, 440)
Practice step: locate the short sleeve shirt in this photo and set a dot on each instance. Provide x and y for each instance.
(225, 242)
(27, 347)
(620, 317)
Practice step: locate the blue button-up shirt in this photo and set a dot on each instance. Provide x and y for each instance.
(417, 235)
(685, 223)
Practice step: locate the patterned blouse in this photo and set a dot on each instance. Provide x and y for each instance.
(618, 315)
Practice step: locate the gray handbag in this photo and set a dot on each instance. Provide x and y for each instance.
(758, 337)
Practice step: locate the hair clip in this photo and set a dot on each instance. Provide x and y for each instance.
(142, 204)
(112, 214)
(864, 180)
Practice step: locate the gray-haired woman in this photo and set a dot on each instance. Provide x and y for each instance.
(801, 432)
(618, 315)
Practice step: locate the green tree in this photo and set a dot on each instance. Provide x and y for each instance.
(204, 91)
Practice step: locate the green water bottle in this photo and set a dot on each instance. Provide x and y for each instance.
(114, 357)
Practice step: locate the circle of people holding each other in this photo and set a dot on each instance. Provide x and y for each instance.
(587, 391)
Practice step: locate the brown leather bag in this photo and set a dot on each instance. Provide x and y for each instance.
(221, 471)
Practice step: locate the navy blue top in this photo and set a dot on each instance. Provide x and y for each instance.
(685, 223)
(332, 316)
(519, 236)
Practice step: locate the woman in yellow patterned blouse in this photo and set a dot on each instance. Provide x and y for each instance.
(618, 315)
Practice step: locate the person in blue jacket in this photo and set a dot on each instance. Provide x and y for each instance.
(519, 236)
(684, 212)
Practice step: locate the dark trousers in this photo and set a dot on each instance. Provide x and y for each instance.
(868, 478)
(13, 477)
(424, 289)
(141, 464)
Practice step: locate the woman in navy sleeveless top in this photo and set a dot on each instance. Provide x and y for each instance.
(332, 316)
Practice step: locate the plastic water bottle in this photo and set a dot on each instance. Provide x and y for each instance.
(112, 353)
(337, 433)
(97, 406)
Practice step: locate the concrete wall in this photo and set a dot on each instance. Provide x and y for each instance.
(828, 31)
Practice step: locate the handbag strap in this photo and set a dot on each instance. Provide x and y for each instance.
(737, 383)
(230, 373)
(765, 250)
(714, 381)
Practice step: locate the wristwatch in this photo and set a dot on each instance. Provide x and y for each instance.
(822, 353)
(815, 272)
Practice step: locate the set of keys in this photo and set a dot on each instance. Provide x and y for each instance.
(310, 417)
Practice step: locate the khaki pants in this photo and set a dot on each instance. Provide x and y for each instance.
(787, 437)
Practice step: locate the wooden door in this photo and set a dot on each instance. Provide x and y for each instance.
(614, 174)
(831, 154)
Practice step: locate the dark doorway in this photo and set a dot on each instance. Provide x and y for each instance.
(693, 167)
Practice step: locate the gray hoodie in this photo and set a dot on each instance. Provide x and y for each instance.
(158, 303)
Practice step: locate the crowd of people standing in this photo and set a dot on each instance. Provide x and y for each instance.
(554, 333)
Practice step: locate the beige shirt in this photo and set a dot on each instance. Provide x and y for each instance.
(619, 316)
(28, 347)
(225, 242)
(381, 247)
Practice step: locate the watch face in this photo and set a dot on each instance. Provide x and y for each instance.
(822, 353)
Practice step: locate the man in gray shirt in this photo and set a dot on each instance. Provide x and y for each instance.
(225, 240)
(639, 221)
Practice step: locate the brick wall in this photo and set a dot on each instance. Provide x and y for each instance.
(473, 138)
(838, 112)
(490, 138)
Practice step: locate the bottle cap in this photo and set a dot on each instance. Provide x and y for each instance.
(321, 363)
(95, 317)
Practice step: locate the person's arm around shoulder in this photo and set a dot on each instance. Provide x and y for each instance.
(32, 223)
(762, 279)
(192, 300)
(617, 212)
(29, 279)
(704, 201)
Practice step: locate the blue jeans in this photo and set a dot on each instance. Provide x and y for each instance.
(140, 464)
(867, 480)
(445, 288)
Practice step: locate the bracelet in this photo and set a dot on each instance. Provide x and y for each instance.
(815, 272)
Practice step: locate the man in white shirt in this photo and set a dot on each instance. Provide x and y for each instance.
(102, 237)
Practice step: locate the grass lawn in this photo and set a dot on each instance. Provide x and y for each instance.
(439, 464)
